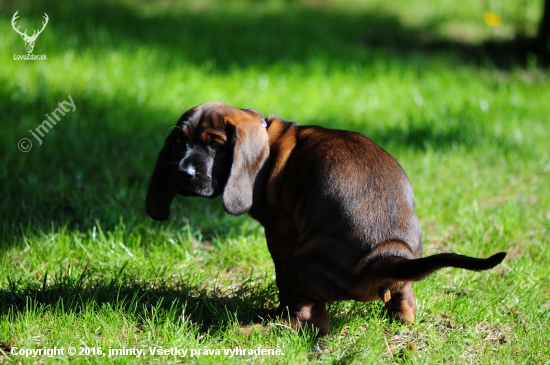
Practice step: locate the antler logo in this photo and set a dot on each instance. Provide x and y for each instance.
(29, 41)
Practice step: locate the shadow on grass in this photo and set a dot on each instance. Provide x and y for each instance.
(94, 161)
(226, 39)
(210, 309)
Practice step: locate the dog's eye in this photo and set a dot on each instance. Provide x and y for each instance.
(178, 140)
(216, 145)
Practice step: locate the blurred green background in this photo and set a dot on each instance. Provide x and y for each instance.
(463, 105)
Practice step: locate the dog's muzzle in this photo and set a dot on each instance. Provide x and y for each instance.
(189, 181)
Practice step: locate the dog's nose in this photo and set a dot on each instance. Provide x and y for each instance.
(186, 173)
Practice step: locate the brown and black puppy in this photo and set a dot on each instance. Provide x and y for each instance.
(337, 209)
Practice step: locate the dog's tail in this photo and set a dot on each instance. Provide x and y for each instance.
(417, 269)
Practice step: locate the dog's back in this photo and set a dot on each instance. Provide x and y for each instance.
(358, 188)
(344, 196)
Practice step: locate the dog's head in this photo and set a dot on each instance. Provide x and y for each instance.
(213, 149)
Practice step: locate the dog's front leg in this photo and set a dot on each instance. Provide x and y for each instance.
(280, 242)
(305, 314)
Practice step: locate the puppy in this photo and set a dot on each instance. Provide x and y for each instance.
(337, 209)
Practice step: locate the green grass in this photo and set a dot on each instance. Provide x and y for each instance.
(82, 265)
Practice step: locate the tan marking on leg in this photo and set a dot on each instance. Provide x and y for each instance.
(384, 294)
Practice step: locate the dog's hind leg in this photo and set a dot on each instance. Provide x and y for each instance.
(399, 303)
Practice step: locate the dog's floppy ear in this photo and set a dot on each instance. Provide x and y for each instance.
(245, 182)
(160, 195)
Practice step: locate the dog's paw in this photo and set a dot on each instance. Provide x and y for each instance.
(307, 317)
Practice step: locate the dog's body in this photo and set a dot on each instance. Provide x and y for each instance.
(336, 208)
